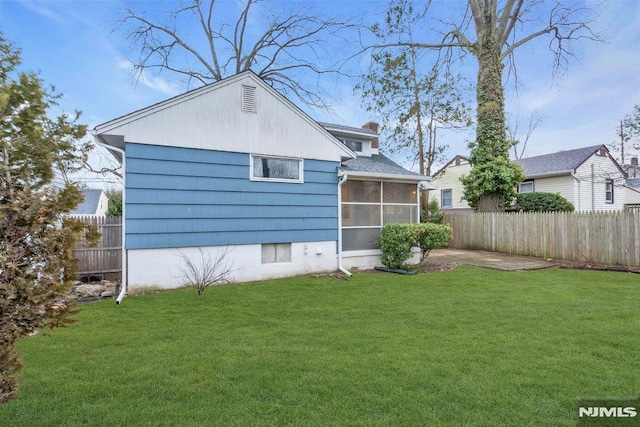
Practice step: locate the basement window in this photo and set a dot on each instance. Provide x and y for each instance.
(276, 253)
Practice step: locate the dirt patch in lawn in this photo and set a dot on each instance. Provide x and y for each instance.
(577, 265)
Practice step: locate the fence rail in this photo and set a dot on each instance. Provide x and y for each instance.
(106, 256)
(602, 237)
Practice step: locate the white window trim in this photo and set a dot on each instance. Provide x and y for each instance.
(300, 179)
(533, 186)
(361, 150)
(276, 245)
(607, 192)
(442, 198)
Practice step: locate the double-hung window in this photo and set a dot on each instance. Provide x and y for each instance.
(446, 198)
(608, 191)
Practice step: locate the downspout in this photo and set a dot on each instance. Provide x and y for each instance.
(577, 192)
(340, 267)
(106, 146)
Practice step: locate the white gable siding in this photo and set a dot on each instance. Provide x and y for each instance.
(563, 185)
(449, 179)
(212, 118)
(591, 179)
(632, 195)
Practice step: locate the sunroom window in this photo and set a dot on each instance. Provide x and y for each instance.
(368, 205)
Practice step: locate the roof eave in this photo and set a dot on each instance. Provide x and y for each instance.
(386, 176)
(549, 174)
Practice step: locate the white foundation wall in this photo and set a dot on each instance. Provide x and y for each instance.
(367, 260)
(161, 267)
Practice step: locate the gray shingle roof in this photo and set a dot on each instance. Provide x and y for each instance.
(347, 128)
(556, 163)
(377, 163)
(89, 205)
(634, 182)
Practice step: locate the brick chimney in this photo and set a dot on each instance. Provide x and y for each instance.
(373, 126)
(634, 160)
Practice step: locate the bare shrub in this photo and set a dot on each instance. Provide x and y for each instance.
(206, 270)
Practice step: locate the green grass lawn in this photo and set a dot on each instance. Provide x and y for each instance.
(469, 346)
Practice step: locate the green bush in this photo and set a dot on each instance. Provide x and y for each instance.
(543, 202)
(433, 214)
(432, 236)
(396, 241)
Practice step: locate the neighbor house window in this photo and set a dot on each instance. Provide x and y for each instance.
(608, 192)
(276, 252)
(276, 169)
(368, 205)
(446, 198)
(354, 145)
(525, 187)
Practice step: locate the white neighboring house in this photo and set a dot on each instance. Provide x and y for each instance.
(95, 203)
(587, 177)
(447, 179)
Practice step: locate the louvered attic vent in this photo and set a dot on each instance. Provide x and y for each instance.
(248, 99)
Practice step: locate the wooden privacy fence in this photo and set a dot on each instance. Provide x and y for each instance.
(106, 256)
(601, 237)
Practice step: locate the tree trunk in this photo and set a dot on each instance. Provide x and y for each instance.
(490, 202)
(491, 138)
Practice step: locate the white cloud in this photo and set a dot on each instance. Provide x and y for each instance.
(158, 84)
(41, 8)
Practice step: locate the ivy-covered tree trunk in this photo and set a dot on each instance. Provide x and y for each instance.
(492, 182)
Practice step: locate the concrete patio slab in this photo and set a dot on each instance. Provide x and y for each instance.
(489, 259)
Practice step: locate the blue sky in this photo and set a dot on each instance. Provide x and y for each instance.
(73, 45)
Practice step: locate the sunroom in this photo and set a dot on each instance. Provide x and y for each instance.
(374, 191)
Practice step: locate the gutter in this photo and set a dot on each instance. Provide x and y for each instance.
(110, 148)
(343, 179)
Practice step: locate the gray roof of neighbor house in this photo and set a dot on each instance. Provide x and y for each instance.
(89, 205)
(378, 164)
(347, 128)
(560, 163)
(634, 182)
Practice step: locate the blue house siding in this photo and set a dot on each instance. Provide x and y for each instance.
(181, 197)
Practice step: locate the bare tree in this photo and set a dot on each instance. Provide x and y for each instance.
(206, 41)
(491, 31)
(413, 97)
(629, 134)
(207, 270)
(519, 140)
